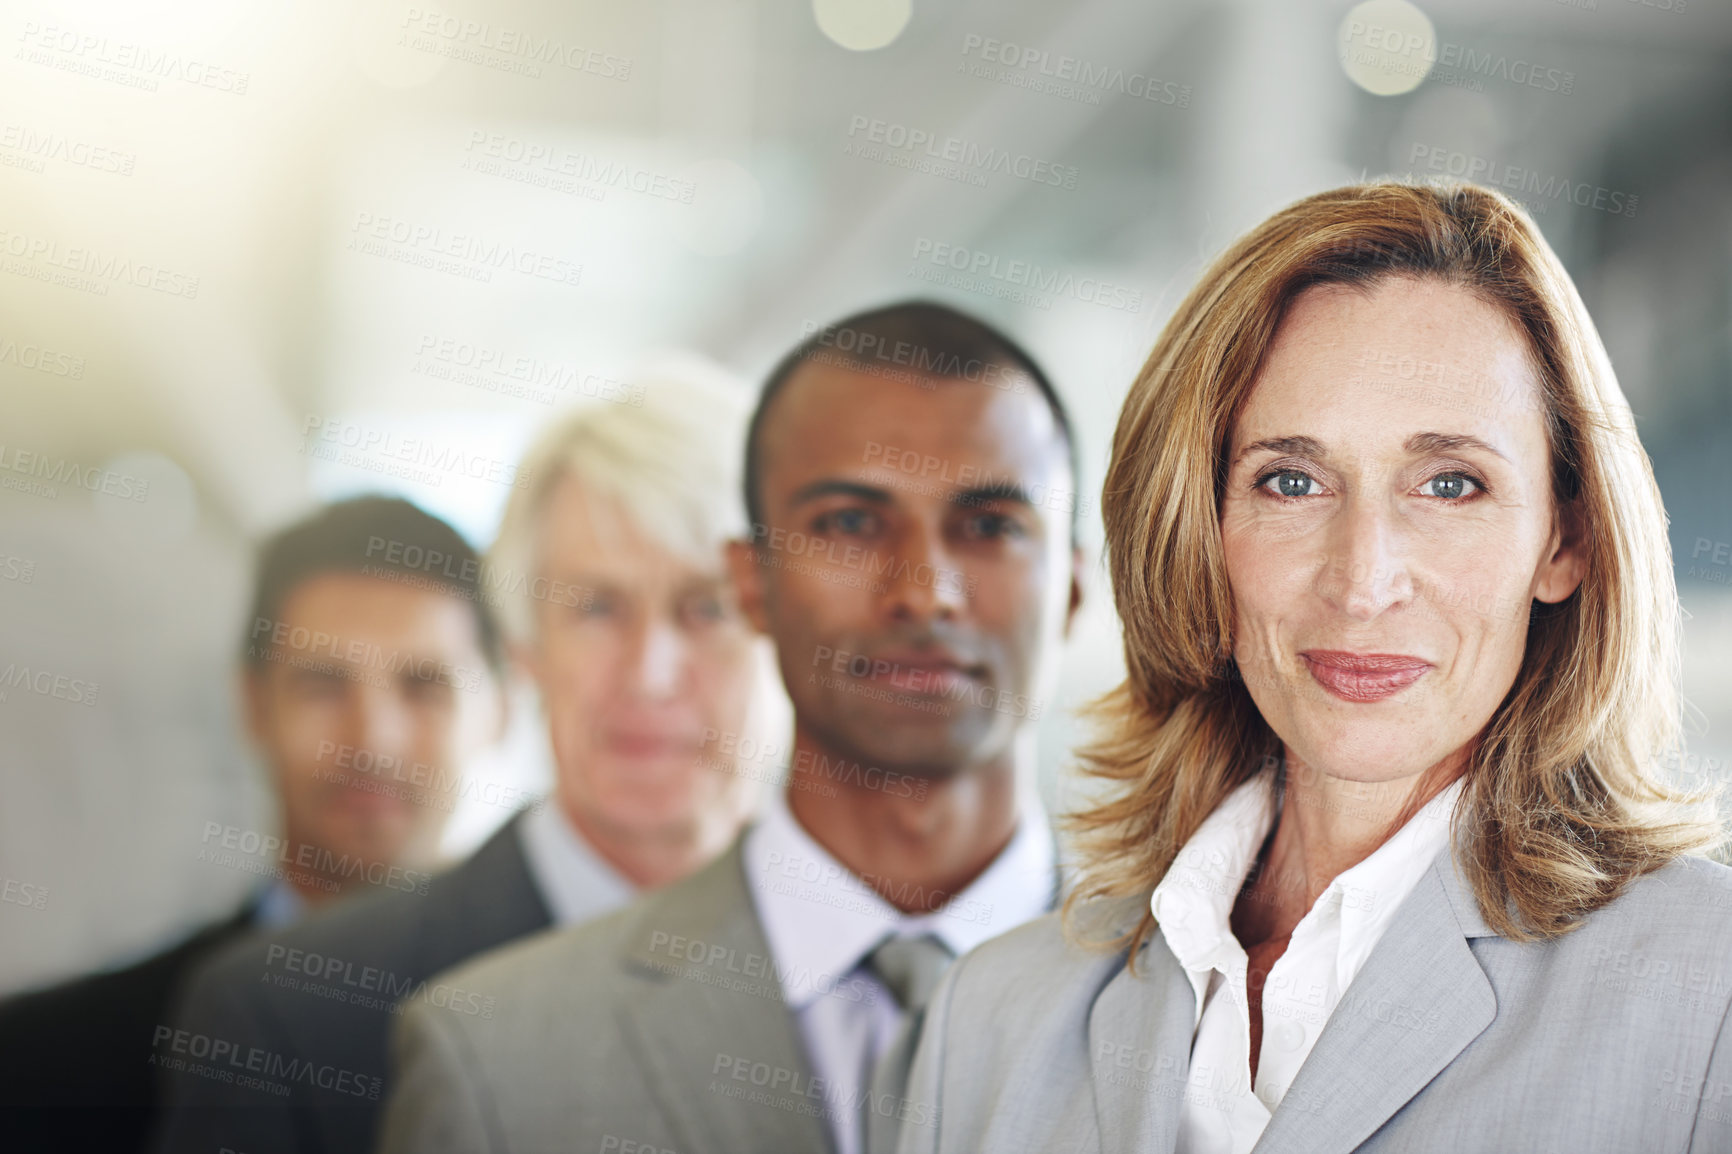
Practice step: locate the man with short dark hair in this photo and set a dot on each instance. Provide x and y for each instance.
(911, 478)
(373, 658)
(75, 1060)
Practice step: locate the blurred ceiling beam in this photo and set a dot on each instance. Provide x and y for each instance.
(1127, 36)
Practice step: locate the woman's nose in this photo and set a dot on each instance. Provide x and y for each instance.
(1366, 571)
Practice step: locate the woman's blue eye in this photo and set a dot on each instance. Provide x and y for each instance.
(1290, 483)
(1451, 486)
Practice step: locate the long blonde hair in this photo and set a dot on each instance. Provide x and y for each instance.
(1562, 806)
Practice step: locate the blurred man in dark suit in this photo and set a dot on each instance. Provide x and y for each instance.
(611, 574)
(75, 1070)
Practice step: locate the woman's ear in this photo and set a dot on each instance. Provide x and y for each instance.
(1565, 561)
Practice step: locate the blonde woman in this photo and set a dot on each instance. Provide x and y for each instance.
(1381, 861)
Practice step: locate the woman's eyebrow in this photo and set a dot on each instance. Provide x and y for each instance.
(1419, 443)
(1449, 442)
(1290, 446)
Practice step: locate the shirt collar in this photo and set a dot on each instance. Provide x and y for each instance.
(1370, 892)
(574, 880)
(821, 919)
(1194, 901)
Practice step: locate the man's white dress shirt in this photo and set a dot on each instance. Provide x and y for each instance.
(822, 921)
(1221, 1113)
(576, 882)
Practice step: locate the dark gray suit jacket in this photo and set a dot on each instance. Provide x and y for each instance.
(279, 1045)
(75, 1068)
(1451, 1040)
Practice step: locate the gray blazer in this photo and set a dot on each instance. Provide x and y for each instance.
(307, 1010)
(1451, 1039)
(611, 1033)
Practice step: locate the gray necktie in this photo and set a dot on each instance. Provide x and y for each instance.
(910, 968)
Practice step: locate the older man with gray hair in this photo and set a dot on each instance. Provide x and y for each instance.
(610, 576)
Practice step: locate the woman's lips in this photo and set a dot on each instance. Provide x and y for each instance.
(1363, 677)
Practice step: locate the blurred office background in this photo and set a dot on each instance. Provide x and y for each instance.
(238, 237)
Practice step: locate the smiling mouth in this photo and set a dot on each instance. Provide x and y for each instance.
(1363, 677)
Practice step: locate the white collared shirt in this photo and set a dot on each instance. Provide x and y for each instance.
(1220, 1112)
(822, 921)
(574, 880)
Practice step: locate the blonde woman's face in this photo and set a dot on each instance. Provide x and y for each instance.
(1388, 524)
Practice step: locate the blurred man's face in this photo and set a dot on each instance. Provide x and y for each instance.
(373, 698)
(916, 569)
(642, 660)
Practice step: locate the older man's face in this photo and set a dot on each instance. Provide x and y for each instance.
(646, 672)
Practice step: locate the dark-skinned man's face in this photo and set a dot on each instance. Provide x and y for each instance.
(915, 565)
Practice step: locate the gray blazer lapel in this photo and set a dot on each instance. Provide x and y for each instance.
(1140, 1046)
(1417, 1003)
(697, 1024)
